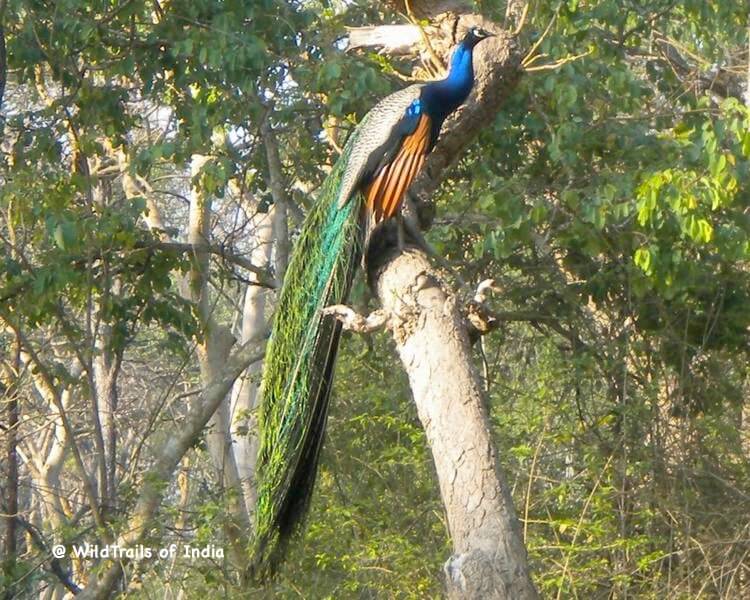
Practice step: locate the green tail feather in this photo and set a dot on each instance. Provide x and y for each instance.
(298, 367)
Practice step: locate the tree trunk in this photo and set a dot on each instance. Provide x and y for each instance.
(278, 192)
(489, 559)
(106, 367)
(213, 352)
(245, 390)
(10, 395)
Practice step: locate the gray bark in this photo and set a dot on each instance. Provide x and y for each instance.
(278, 192)
(489, 559)
(245, 391)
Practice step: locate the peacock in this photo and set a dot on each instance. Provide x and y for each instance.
(365, 188)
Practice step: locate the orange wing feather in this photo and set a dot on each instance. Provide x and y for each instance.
(386, 191)
(392, 179)
(411, 166)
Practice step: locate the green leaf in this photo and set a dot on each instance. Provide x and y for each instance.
(643, 260)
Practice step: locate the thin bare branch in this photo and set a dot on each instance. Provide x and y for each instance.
(529, 58)
(558, 63)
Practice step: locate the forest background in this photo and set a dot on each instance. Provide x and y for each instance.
(157, 159)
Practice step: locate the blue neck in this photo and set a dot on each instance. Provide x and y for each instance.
(444, 96)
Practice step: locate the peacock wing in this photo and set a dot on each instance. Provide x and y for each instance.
(377, 139)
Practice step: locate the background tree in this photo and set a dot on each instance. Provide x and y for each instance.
(156, 160)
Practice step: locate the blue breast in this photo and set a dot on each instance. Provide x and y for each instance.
(440, 98)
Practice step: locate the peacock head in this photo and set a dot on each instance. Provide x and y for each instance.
(475, 35)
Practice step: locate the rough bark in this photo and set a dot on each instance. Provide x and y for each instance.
(489, 559)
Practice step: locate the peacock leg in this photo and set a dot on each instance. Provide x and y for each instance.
(400, 233)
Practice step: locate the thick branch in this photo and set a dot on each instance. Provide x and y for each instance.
(353, 321)
(489, 558)
(393, 40)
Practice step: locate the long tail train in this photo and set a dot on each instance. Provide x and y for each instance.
(298, 368)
